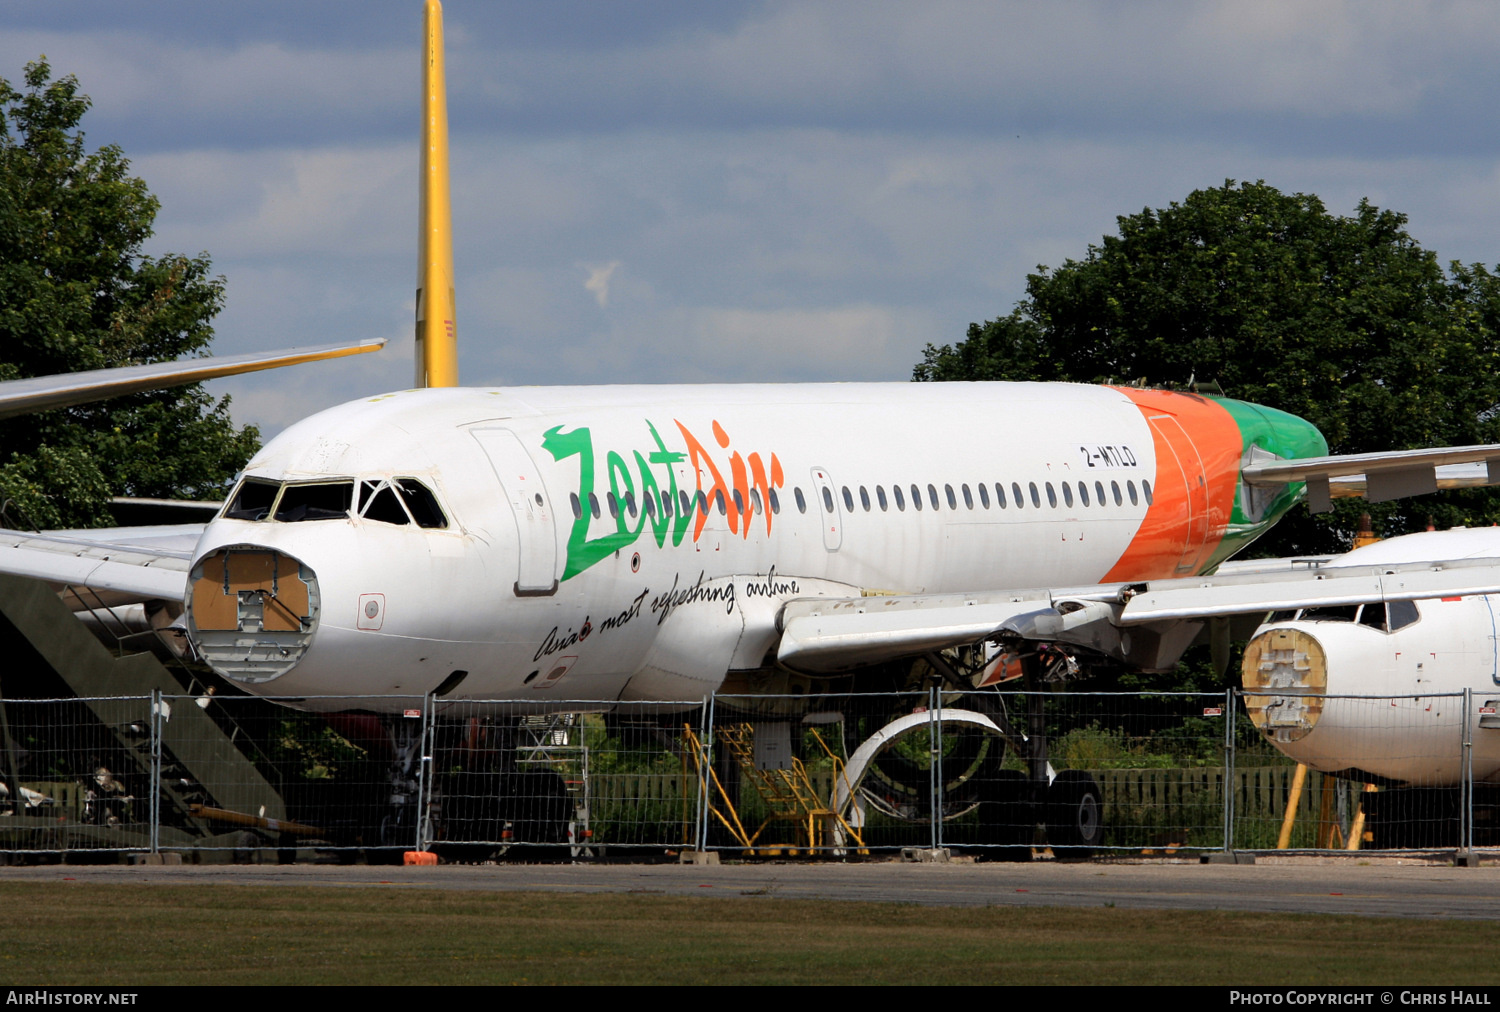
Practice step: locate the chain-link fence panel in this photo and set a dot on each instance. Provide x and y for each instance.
(265, 777)
(1382, 772)
(828, 774)
(578, 778)
(1084, 771)
(76, 775)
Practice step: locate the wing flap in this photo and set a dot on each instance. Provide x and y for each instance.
(1206, 597)
(827, 635)
(116, 570)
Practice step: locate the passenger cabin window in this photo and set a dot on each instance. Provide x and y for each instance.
(1114, 487)
(864, 498)
(253, 499)
(984, 495)
(801, 502)
(916, 498)
(755, 503)
(739, 502)
(827, 499)
(666, 504)
(322, 501)
(1130, 487)
(900, 499)
(1015, 494)
(1051, 496)
(1000, 495)
(952, 502)
(1036, 499)
(1067, 491)
(719, 501)
(880, 498)
(1099, 493)
(932, 494)
(577, 506)
(775, 502)
(614, 504)
(648, 505)
(594, 505)
(848, 500)
(683, 500)
(1146, 488)
(1083, 492)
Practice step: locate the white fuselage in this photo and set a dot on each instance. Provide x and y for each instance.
(531, 601)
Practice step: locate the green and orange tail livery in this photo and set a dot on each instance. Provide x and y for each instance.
(1200, 513)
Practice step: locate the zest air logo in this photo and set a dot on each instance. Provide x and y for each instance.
(646, 475)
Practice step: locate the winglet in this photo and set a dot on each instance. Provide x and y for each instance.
(437, 335)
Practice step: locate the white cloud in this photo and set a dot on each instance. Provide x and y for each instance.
(598, 281)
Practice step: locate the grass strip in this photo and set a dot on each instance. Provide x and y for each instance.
(104, 934)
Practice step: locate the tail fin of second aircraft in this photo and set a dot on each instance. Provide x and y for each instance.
(437, 333)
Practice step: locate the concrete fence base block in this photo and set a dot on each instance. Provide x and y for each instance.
(698, 857)
(173, 858)
(926, 855)
(1231, 857)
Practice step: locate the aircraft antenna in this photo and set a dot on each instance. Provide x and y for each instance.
(437, 333)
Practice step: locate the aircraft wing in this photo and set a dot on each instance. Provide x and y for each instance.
(823, 635)
(19, 397)
(120, 565)
(1380, 477)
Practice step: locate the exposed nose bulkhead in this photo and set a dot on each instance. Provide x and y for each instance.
(251, 611)
(1285, 675)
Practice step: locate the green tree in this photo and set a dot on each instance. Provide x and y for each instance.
(76, 293)
(1345, 321)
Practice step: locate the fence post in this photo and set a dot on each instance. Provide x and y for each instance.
(1466, 812)
(937, 765)
(932, 789)
(705, 729)
(154, 809)
(424, 775)
(1229, 782)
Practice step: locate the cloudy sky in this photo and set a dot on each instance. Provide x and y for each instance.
(740, 191)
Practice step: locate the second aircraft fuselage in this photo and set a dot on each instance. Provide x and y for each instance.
(637, 542)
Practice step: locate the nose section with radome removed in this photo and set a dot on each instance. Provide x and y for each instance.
(1285, 675)
(251, 611)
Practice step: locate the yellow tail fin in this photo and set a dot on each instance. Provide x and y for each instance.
(437, 332)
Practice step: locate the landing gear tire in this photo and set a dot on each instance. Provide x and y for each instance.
(1007, 817)
(1075, 809)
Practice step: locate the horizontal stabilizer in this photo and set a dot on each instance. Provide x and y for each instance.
(44, 393)
(1380, 477)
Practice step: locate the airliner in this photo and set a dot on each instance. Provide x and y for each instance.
(656, 544)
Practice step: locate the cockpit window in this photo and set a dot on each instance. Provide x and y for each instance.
(253, 499)
(422, 503)
(1330, 613)
(1400, 614)
(322, 501)
(381, 504)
